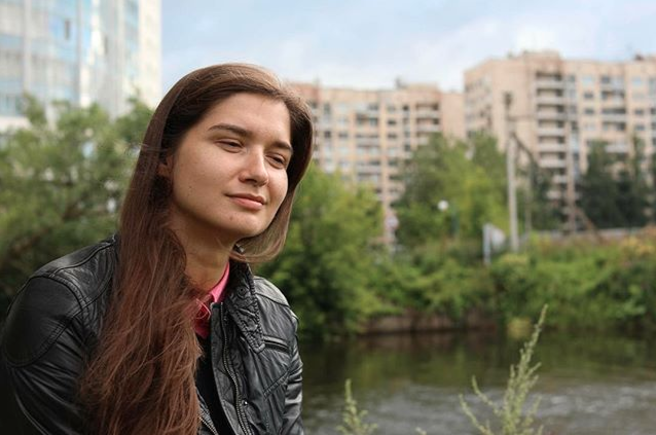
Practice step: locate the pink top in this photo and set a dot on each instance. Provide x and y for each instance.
(214, 296)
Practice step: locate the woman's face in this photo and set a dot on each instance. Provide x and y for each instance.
(229, 172)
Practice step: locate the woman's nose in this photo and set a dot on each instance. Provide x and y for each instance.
(255, 169)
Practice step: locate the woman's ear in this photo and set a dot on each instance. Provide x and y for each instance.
(165, 167)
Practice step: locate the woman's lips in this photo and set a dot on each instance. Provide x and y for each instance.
(250, 202)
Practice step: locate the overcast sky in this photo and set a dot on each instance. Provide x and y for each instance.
(368, 43)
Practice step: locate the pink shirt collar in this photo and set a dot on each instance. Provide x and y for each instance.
(214, 296)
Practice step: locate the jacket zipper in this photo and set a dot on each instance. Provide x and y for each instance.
(208, 423)
(240, 411)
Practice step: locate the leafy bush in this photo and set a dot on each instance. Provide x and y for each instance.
(588, 285)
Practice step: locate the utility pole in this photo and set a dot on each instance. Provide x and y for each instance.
(510, 173)
(569, 159)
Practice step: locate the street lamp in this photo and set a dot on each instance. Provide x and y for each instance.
(443, 205)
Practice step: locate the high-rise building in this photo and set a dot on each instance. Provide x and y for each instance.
(559, 107)
(367, 134)
(81, 51)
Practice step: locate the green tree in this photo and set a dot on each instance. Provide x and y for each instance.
(61, 182)
(328, 262)
(467, 175)
(633, 191)
(614, 192)
(599, 190)
(534, 203)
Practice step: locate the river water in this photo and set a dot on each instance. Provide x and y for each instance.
(589, 384)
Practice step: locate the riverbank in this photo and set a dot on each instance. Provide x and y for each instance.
(588, 284)
(413, 321)
(590, 384)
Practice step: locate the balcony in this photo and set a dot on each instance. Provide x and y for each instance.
(554, 195)
(365, 168)
(428, 128)
(557, 100)
(367, 141)
(551, 131)
(559, 179)
(551, 115)
(615, 85)
(613, 117)
(552, 163)
(618, 148)
(545, 83)
(427, 113)
(552, 148)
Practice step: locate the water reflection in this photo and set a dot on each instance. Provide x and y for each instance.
(589, 383)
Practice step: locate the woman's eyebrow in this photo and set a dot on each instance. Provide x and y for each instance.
(243, 132)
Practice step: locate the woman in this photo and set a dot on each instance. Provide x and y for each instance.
(162, 329)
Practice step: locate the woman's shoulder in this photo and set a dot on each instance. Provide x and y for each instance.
(264, 288)
(277, 317)
(54, 299)
(79, 268)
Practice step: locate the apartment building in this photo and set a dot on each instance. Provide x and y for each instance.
(558, 107)
(81, 51)
(367, 134)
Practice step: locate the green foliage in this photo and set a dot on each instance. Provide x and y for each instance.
(511, 414)
(587, 285)
(469, 176)
(614, 191)
(533, 201)
(633, 189)
(327, 265)
(352, 418)
(60, 184)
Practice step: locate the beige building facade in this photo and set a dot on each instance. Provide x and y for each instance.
(365, 135)
(79, 51)
(559, 107)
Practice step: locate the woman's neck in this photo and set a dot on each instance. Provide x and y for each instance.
(205, 269)
(207, 257)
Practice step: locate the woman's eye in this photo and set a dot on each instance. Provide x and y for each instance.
(230, 144)
(279, 161)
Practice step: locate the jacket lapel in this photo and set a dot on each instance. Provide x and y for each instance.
(242, 304)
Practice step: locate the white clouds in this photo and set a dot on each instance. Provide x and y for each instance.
(534, 38)
(417, 43)
(447, 56)
(574, 34)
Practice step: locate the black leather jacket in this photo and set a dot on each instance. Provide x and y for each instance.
(54, 322)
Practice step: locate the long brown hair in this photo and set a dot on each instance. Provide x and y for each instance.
(141, 377)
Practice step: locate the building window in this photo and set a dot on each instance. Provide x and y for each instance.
(67, 29)
(588, 95)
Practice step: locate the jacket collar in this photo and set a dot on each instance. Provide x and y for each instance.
(242, 304)
(241, 301)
